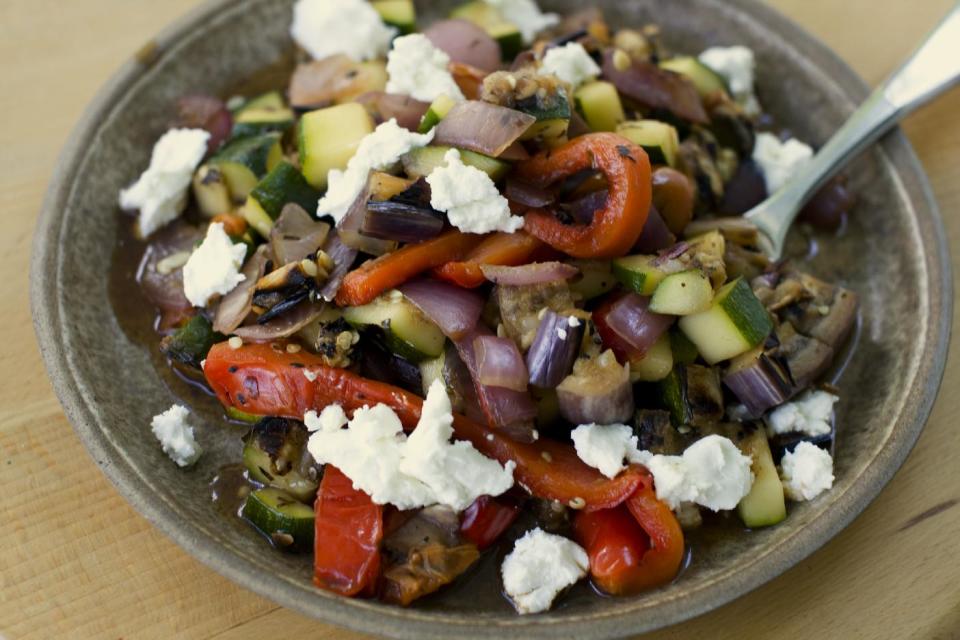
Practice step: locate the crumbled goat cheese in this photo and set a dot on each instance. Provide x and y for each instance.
(409, 472)
(161, 192)
(469, 197)
(811, 414)
(738, 66)
(806, 472)
(605, 447)
(570, 63)
(352, 27)
(417, 68)
(176, 436)
(214, 267)
(573, 321)
(540, 566)
(712, 473)
(780, 161)
(527, 16)
(378, 151)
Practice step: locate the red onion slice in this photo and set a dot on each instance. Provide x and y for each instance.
(554, 349)
(456, 311)
(761, 385)
(349, 229)
(528, 195)
(631, 319)
(401, 221)
(656, 235)
(207, 113)
(283, 326)
(656, 89)
(535, 273)
(407, 111)
(500, 363)
(343, 258)
(164, 286)
(296, 235)
(482, 127)
(465, 42)
(236, 305)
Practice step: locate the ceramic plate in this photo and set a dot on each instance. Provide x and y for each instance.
(94, 328)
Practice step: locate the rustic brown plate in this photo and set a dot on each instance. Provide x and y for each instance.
(94, 329)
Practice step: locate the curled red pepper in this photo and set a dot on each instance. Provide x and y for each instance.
(506, 249)
(260, 380)
(615, 227)
(632, 547)
(486, 519)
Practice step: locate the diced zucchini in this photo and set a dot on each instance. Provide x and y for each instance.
(274, 453)
(438, 110)
(656, 364)
(658, 139)
(764, 505)
(432, 370)
(595, 279)
(693, 395)
(684, 351)
(706, 80)
(190, 343)
(329, 138)
(241, 416)
(261, 115)
(552, 113)
(682, 294)
(211, 191)
(368, 76)
(287, 522)
(397, 13)
(600, 105)
(638, 273)
(280, 187)
(421, 162)
(507, 34)
(245, 162)
(735, 323)
(407, 332)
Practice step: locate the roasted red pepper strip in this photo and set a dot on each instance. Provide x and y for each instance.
(617, 226)
(486, 519)
(260, 380)
(349, 529)
(633, 547)
(506, 249)
(364, 284)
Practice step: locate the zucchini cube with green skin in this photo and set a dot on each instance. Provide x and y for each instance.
(407, 332)
(484, 15)
(682, 294)
(211, 191)
(400, 14)
(656, 364)
(706, 80)
(190, 343)
(287, 522)
(284, 185)
(329, 138)
(659, 139)
(421, 162)
(599, 104)
(638, 273)
(265, 114)
(245, 162)
(764, 506)
(552, 113)
(735, 323)
(438, 110)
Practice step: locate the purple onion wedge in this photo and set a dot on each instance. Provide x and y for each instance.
(529, 274)
(401, 221)
(455, 310)
(631, 319)
(482, 127)
(343, 257)
(554, 349)
(760, 384)
(500, 363)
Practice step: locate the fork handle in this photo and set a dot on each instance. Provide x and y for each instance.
(932, 69)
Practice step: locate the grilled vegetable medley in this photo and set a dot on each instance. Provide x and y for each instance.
(486, 286)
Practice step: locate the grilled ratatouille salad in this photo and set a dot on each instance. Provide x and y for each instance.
(484, 287)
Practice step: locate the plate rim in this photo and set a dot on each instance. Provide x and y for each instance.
(410, 623)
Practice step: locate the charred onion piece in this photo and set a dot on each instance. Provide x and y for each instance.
(554, 349)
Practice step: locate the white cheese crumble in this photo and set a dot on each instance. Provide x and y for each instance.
(176, 435)
(605, 447)
(738, 66)
(779, 161)
(811, 414)
(570, 63)
(214, 267)
(325, 28)
(417, 68)
(573, 321)
(409, 472)
(377, 151)
(161, 192)
(527, 16)
(806, 472)
(469, 197)
(561, 333)
(540, 566)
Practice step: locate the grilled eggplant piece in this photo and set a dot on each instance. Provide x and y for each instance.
(520, 308)
(286, 287)
(275, 454)
(693, 396)
(805, 358)
(656, 433)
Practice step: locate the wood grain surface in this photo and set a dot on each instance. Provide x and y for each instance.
(77, 562)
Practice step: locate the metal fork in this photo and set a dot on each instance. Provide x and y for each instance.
(932, 69)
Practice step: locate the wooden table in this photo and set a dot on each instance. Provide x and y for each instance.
(77, 562)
